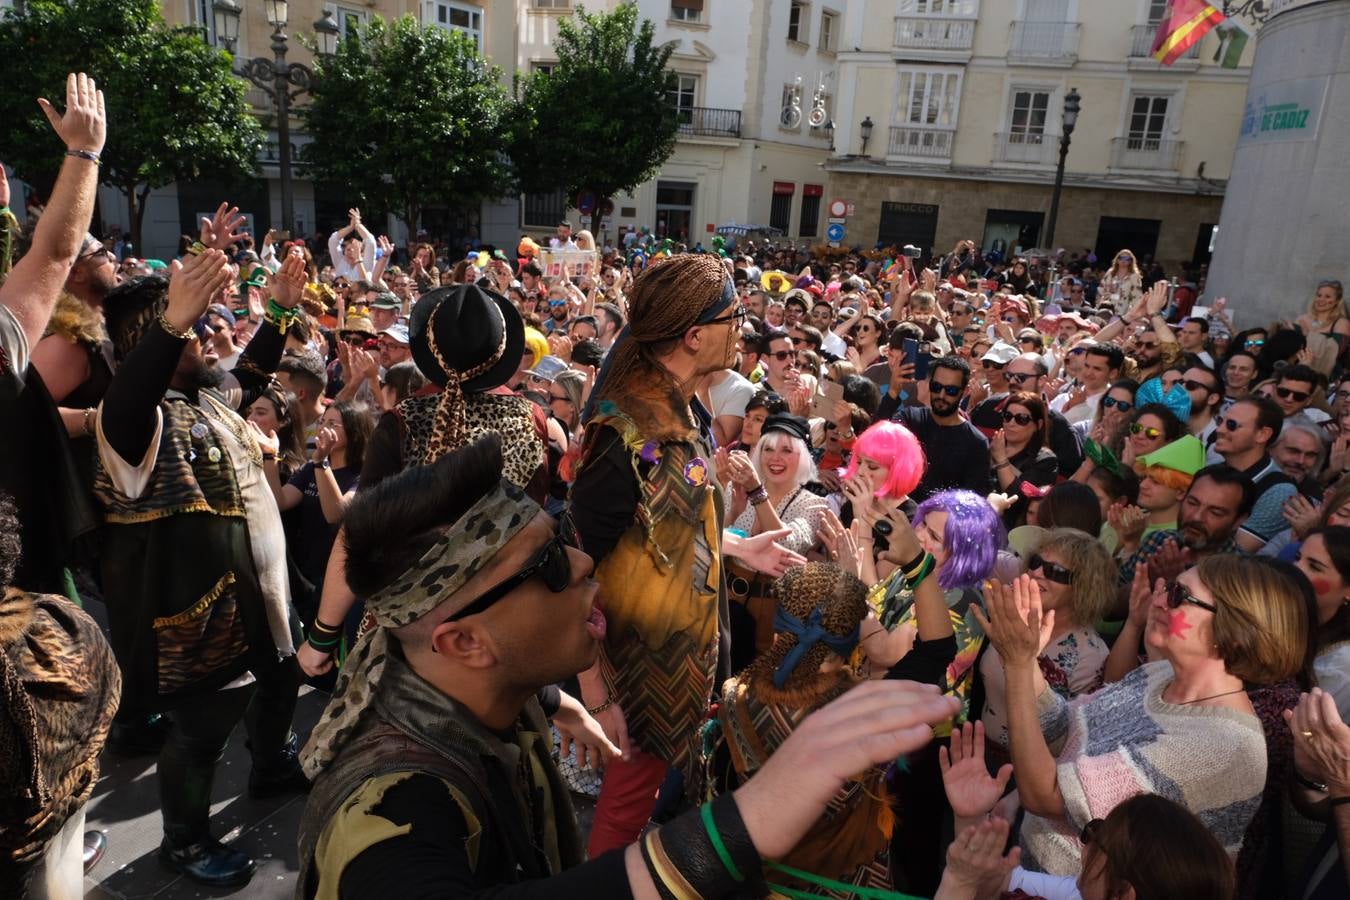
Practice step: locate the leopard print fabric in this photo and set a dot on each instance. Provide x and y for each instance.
(456, 557)
(507, 415)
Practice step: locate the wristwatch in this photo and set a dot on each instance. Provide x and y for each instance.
(323, 463)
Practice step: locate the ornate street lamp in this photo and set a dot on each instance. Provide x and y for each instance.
(282, 81)
(1072, 103)
(865, 130)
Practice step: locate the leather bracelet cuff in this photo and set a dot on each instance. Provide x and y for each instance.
(684, 860)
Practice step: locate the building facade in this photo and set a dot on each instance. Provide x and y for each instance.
(738, 158)
(961, 102)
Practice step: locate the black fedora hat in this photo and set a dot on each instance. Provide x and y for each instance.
(468, 324)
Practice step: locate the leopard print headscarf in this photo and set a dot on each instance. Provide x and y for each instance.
(457, 556)
(448, 432)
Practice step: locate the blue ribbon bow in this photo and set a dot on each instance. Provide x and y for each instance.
(808, 634)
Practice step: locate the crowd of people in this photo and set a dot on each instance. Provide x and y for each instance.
(850, 572)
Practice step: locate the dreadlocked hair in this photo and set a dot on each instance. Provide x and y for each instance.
(665, 302)
(842, 600)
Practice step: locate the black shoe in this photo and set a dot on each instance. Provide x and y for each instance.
(142, 737)
(283, 776)
(95, 842)
(208, 862)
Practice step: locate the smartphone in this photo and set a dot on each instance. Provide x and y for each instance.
(828, 394)
(282, 235)
(921, 365)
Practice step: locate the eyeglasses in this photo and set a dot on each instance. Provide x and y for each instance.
(1115, 403)
(1177, 595)
(1254, 342)
(990, 364)
(1146, 430)
(1230, 424)
(951, 390)
(1193, 385)
(1285, 393)
(1019, 418)
(1149, 345)
(1052, 571)
(550, 562)
(96, 253)
(1019, 377)
(552, 302)
(782, 355)
(1089, 832)
(739, 317)
(563, 399)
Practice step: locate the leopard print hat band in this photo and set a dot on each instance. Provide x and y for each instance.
(460, 553)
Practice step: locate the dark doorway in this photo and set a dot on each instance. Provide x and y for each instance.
(908, 223)
(1115, 234)
(1203, 237)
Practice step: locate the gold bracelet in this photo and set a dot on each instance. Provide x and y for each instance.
(88, 412)
(172, 331)
(597, 710)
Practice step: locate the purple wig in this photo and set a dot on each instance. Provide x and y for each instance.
(895, 446)
(973, 537)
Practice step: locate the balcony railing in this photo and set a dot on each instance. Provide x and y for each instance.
(917, 140)
(1146, 153)
(1053, 43)
(1141, 43)
(1022, 147)
(933, 33)
(708, 122)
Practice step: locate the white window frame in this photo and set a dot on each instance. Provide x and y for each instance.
(542, 65)
(1050, 93)
(342, 13)
(1148, 9)
(904, 96)
(803, 35)
(451, 6)
(680, 91)
(827, 38)
(551, 4)
(689, 16)
(1168, 116)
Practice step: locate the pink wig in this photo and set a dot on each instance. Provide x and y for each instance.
(893, 445)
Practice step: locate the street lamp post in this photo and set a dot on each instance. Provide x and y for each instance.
(865, 131)
(282, 81)
(1072, 103)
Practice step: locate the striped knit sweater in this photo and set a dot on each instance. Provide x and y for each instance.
(1125, 740)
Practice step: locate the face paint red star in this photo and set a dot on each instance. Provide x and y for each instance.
(1177, 626)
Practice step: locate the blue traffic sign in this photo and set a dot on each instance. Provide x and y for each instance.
(835, 232)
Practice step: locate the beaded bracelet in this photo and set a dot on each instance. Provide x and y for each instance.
(758, 495)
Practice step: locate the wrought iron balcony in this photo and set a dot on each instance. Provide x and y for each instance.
(1146, 153)
(1141, 43)
(706, 121)
(918, 140)
(1024, 147)
(934, 33)
(1045, 43)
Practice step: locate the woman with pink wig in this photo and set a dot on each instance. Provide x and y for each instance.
(887, 464)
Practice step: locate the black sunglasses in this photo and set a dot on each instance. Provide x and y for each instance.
(990, 364)
(1192, 385)
(781, 355)
(1019, 418)
(1231, 424)
(1177, 595)
(1112, 402)
(951, 390)
(550, 562)
(1285, 393)
(738, 316)
(1052, 571)
(1020, 377)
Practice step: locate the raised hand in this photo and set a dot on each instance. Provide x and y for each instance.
(288, 284)
(267, 440)
(1301, 514)
(1321, 741)
(763, 554)
(324, 442)
(193, 285)
(1141, 596)
(970, 789)
(976, 866)
(1156, 298)
(222, 229)
(741, 470)
(85, 123)
(1129, 523)
(1015, 624)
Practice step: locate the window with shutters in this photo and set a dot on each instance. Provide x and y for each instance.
(799, 22)
(928, 97)
(829, 26)
(349, 20)
(1148, 121)
(1027, 123)
(686, 10)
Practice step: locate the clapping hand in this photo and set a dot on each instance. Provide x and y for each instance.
(288, 284)
(1321, 741)
(267, 440)
(85, 123)
(741, 471)
(1128, 521)
(1301, 514)
(1141, 596)
(1156, 298)
(976, 866)
(324, 442)
(1016, 625)
(971, 791)
(839, 543)
(193, 285)
(1170, 561)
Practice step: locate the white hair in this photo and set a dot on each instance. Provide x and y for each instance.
(806, 467)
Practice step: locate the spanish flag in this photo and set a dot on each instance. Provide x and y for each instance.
(1186, 22)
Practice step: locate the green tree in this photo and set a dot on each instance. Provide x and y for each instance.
(406, 117)
(175, 110)
(602, 120)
